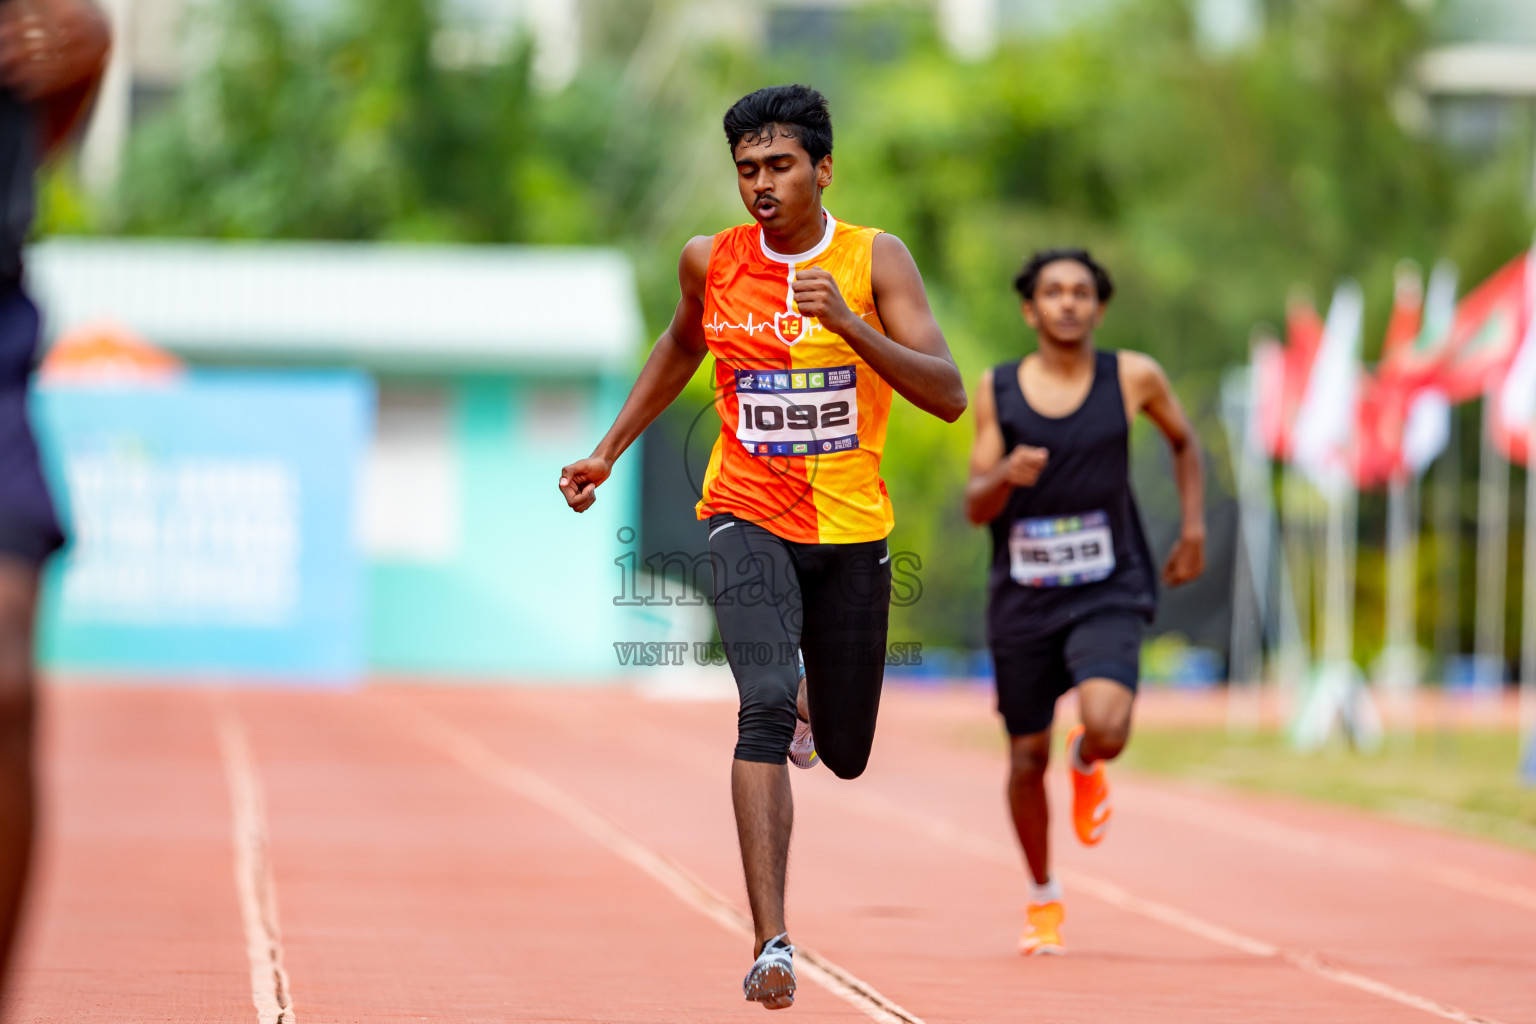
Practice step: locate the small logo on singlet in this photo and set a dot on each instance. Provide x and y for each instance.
(788, 326)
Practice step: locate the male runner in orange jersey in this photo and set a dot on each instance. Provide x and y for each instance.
(812, 323)
(1072, 580)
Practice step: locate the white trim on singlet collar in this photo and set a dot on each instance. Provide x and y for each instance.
(809, 254)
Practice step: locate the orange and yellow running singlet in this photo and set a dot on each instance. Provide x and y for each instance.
(802, 416)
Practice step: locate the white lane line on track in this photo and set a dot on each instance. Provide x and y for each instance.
(1226, 820)
(945, 832)
(470, 752)
(253, 877)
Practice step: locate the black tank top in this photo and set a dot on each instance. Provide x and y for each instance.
(1072, 545)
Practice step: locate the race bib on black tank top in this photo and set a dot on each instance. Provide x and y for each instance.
(1061, 551)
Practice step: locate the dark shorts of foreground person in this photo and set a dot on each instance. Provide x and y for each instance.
(29, 525)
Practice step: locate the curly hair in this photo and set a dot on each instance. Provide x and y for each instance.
(1028, 277)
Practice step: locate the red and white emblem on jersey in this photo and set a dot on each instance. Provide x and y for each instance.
(789, 326)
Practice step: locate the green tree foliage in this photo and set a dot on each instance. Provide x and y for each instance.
(1209, 183)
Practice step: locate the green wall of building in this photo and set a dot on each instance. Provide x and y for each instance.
(502, 605)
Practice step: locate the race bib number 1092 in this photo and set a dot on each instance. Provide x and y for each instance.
(797, 412)
(1061, 551)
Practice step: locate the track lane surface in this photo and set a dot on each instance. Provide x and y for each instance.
(411, 888)
(902, 902)
(132, 914)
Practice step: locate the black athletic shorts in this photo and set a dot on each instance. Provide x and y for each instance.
(776, 599)
(1032, 673)
(29, 527)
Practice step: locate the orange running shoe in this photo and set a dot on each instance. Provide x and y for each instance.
(1090, 796)
(1043, 933)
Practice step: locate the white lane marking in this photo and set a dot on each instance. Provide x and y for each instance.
(944, 832)
(939, 830)
(1466, 881)
(1226, 820)
(253, 877)
(480, 759)
(1313, 963)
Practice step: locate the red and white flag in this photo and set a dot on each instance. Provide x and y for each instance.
(1487, 329)
(1283, 380)
(1384, 396)
(1403, 423)
(1268, 390)
(1381, 412)
(1514, 411)
(1415, 362)
(1323, 438)
(1407, 319)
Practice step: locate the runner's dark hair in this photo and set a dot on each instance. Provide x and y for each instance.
(1025, 283)
(797, 111)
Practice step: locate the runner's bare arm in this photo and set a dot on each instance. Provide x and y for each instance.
(994, 473)
(1144, 380)
(914, 359)
(671, 364)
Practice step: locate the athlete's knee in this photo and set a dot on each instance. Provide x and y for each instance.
(847, 760)
(1028, 758)
(1105, 740)
(844, 741)
(765, 724)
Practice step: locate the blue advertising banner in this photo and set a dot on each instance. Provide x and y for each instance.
(212, 526)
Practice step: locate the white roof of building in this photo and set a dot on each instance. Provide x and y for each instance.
(401, 306)
(1497, 69)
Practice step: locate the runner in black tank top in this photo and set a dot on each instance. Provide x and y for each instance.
(1072, 581)
(1070, 546)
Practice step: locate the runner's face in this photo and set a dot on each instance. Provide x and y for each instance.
(1066, 306)
(778, 181)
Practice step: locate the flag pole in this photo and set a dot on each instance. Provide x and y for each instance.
(1290, 661)
(1323, 448)
(1528, 637)
(1400, 657)
(1448, 558)
(1492, 553)
(1251, 572)
(1298, 657)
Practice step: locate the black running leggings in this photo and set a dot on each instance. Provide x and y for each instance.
(774, 597)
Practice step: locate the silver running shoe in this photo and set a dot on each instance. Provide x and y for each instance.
(802, 749)
(771, 981)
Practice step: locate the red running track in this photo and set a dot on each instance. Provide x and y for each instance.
(464, 855)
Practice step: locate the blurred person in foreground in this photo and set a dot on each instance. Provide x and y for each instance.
(52, 56)
(813, 323)
(1072, 581)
